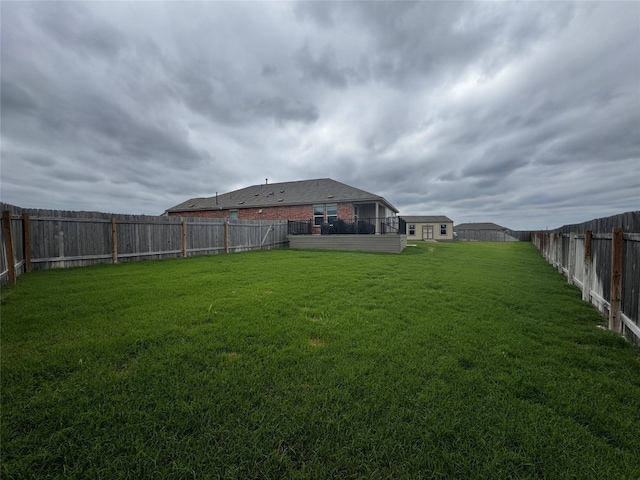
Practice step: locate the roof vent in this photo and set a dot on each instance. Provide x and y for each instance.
(256, 195)
(330, 196)
(281, 199)
(190, 205)
(240, 203)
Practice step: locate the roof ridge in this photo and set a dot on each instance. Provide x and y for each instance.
(296, 192)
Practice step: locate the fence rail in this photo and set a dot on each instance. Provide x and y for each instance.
(487, 235)
(349, 226)
(43, 239)
(604, 265)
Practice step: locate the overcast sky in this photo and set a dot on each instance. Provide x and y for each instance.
(524, 114)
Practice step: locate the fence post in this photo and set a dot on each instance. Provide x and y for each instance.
(616, 281)
(572, 258)
(547, 246)
(586, 284)
(184, 238)
(559, 251)
(8, 242)
(226, 236)
(114, 240)
(26, 233)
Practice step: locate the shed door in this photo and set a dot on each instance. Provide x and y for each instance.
(427, 232)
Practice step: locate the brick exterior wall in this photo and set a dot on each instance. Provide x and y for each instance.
(286, 212)
(345, 210)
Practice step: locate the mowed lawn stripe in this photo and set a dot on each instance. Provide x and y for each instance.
(463, 360)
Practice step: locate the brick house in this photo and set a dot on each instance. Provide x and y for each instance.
(321, 200)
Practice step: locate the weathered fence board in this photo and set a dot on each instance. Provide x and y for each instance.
(9, 252)
(631, 280)
(628, 221)
(609, 278)
(62, 239)
(601, 263)
(488, 236)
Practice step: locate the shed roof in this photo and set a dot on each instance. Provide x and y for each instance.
(301, 192)
(479, 226)
(426, 219)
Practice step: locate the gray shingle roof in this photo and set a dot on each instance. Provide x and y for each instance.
(479, 226)
(426, 219)
(302, 192)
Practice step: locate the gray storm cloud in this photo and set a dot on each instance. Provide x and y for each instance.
(524, 114)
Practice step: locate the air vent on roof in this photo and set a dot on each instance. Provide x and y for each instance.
(256, 195)
(281, 191)
(240, 203)
(281, 199)
(190, 205)
(330, 196)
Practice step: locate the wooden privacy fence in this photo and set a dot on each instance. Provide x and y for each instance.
(43, 239)
(477, 235)
(605, 266)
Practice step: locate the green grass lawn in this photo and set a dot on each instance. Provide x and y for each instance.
(464, 360)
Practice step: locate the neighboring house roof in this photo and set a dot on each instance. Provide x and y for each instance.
(302, 192)
(427, 219)
(479, 226)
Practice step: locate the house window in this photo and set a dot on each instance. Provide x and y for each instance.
(318, 214)
(322, 213)
(412, 229)
(443, 229)
(332, 212)
(233, 214)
